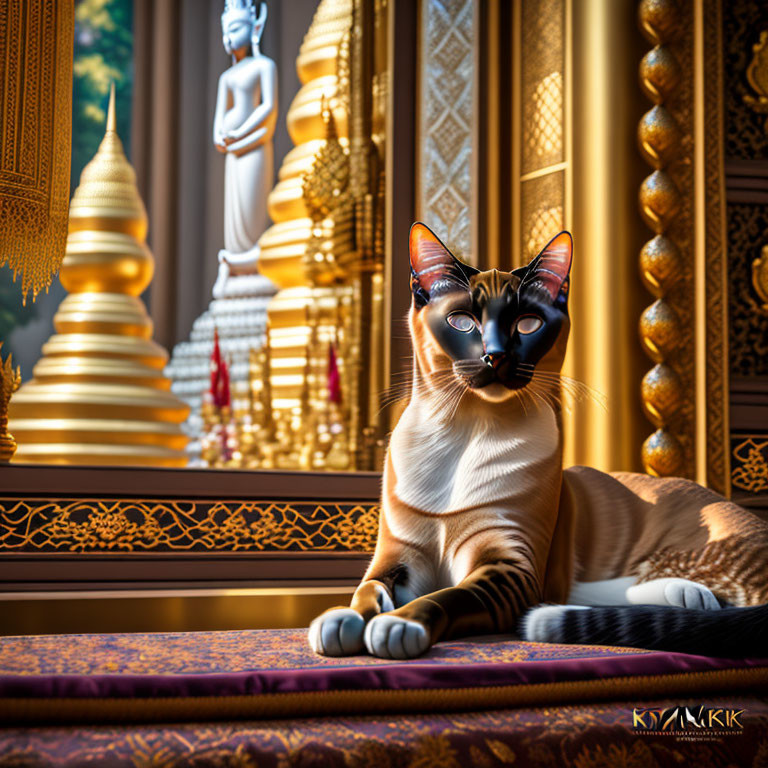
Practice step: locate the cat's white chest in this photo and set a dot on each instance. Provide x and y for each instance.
(462, 464)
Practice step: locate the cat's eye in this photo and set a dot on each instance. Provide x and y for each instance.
(462, 321)
(528, 324)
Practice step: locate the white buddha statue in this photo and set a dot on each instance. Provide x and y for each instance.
(243, 127)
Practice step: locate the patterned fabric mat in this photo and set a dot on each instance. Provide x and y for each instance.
(271, 673)
(205, 653)
(599, 735)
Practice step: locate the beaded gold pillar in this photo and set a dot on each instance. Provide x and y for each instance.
(659, 138)
(98, 395)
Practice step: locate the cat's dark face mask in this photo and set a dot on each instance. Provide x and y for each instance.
(497, 328)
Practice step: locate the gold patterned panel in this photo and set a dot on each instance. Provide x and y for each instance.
(153, 525)
(757, 75)
(543, 211)
(760, 278)
(749, 456)
(744, 22)
(747, 231)
(542, 126)
(746, 140)
(543, 96)
(35, 131)
(446, 121)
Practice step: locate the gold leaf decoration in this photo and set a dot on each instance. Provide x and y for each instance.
(36, 45)
(325, 187)
(10, 381)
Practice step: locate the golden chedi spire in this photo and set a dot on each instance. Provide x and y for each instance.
(98, 395)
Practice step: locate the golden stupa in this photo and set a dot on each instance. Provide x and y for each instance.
(98, 395)
(307, 250)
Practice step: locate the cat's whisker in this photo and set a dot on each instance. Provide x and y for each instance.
(574, 388)
(547, 397)
(458, 402)
(519, 394)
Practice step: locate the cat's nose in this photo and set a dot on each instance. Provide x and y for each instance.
(493, 358)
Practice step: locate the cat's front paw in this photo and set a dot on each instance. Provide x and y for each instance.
(337, 632)
(392, 637)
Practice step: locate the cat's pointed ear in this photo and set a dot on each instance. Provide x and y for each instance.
(433, 266)
(552, 266)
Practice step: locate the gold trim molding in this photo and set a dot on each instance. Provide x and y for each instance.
(713, 432)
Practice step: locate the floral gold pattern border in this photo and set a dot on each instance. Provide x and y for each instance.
(40, 525)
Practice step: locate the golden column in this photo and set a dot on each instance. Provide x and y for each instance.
(601, 211)
(660, 328)
(98, 395)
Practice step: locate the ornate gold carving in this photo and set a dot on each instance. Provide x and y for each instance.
(152, 525)
(760, 277)
(326, 185)
(750, 463)
(748, 332)
(35, 130)
(757, 76)
(659, 138)
(10, 381)
(325, 249)
(326, 193)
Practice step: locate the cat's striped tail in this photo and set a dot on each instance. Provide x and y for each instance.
(729, 632)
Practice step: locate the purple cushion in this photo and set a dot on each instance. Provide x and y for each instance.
(274, 672)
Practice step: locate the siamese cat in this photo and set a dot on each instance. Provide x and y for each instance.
(480, 523)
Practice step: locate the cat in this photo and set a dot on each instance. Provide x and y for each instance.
(480, 524)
